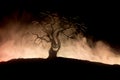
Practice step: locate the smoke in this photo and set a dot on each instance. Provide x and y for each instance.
(81, 50)
(17, 41)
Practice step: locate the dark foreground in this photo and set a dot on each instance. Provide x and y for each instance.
(59, 67)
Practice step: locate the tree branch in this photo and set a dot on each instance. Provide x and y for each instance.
(69, 36)
(82, 27)
(42, 38)
(70, 27)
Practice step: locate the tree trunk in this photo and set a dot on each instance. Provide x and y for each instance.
(55, 45)
(52, 53)
(54, 49)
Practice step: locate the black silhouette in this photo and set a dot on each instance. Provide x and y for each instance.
(53, 26)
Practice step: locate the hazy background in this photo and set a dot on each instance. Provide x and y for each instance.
(99, 43)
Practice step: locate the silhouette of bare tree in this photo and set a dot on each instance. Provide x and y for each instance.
(53, 26)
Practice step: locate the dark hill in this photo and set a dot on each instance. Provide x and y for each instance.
(58, 62)
(60, 67)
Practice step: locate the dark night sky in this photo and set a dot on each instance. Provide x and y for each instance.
(101, 18)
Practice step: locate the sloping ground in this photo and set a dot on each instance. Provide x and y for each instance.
(60, 67)
(56, 61)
